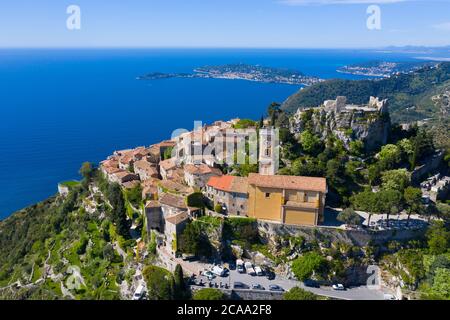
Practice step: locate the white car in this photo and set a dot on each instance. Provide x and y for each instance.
(240, 266)
(139, 293)
(259, 271)
(338, 287)
(218, 271)
(389, 297)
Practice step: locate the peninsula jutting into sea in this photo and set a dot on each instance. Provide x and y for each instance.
(241, 71)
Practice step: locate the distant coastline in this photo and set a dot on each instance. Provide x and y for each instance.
(246, 72)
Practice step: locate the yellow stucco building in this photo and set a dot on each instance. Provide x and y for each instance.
(287, 199)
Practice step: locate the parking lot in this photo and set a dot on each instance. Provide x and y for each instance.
(355, 293)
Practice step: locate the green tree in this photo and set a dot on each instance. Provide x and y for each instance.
(349, 216)
(441, 284)
(367, 201)
(297, 293)
(311, 144)
(180, 285)
(218, 208)
(194, 241)
(87, 170)
(356, 148)
(134, 195)
(395, 179)
(374, 174)
(196, 200)
(390, 201)
(209, 294)
(167, 153)
(118, 213)
(423, 147)
(160, 283)
(389, 156)
(413, 201)
(308, 264)
(438, 238)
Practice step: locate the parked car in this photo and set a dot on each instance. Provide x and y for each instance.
(218, 271)
(259, 271)
(338, 287)
(209, 275)
(258, 287)
(274, 287)
(240, 266)
(389, 297)
(249, 268)
(270, 275)
(240, 285)
(139, 293)
(311, 283)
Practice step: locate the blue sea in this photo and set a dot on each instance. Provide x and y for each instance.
(60, 108)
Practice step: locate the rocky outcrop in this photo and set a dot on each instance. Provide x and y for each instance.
(369, 123)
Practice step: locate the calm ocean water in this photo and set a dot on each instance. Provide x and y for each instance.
(60, 108)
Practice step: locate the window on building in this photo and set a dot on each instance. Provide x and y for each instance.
(267, 195)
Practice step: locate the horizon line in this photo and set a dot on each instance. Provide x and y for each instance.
(227, 47)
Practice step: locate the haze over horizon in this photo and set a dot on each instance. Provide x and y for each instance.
(225, 24)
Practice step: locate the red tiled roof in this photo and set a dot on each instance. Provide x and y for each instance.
(229, 184)
(221, 183)
(288, 182)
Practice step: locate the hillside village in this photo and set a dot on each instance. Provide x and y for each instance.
(180, 183)
(332, 190)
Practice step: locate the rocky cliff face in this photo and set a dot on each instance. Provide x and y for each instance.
(368, 123)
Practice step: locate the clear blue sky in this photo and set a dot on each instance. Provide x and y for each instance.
(224, 23)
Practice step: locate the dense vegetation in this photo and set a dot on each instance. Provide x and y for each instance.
(404, 91)
(82, 238)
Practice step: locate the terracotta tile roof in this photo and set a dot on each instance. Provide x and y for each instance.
(168, 164)
(145, 166)
(152, 182)
(177, 218)
(288, 182)
(229, 184)
(239, 185)
(122, 174)
(177, 175)
(130, 184)
(167, 143)
(111, 170)
(110, 163)
(149, 190)
(172, 200)
(200, 169)
(174, 186)
(222, 183)
(127, 158)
